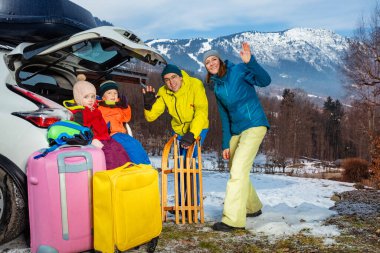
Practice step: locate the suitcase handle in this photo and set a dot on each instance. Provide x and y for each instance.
(128, 165)
(73, 168)
(64, 168)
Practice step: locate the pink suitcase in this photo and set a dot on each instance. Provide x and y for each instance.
(60, 198)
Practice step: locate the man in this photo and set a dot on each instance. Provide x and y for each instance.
(185, 99)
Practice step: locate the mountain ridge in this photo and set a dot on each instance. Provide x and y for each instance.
(305, 58)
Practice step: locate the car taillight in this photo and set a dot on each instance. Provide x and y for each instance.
(48, 113)
(41, 118)
(42, 122)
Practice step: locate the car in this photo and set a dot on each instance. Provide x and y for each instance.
(35, 78)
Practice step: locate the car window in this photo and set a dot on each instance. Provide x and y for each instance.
(93, 51)
(39, 78)
(53, 87)
(97, 55)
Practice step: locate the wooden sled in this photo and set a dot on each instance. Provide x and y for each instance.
(189, 207)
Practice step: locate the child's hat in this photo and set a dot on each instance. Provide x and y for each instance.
(81, 89)
(107, 85)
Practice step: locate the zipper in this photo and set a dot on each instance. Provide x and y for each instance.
(180, 120)
(175, 106)
(249, 112)
(225, 89)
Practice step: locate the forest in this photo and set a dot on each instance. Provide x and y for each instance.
(299, 128)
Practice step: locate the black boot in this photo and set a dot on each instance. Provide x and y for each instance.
(220, 226)
(255, 214)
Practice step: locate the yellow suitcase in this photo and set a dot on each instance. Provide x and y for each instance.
(127, 210)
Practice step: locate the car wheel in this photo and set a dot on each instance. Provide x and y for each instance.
(12, 209)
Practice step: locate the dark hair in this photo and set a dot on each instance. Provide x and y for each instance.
(221, 72)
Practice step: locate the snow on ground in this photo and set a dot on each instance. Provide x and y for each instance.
(291, 204)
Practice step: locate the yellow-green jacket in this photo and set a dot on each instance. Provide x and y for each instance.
(188, 106)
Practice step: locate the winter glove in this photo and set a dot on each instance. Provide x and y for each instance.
(123, 102)
(149, 99)
(187, 139)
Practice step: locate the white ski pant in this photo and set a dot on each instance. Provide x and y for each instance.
(241, 197)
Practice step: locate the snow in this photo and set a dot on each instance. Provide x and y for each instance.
(192, 56)
(161, 41)
(291, 204)
(320, 48)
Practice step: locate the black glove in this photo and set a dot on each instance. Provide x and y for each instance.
(123, 102)
(187, 140)
(149, 99)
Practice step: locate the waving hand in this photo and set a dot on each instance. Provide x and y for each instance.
(245, 53)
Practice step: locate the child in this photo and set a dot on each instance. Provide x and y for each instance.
(85, 113)
(116, 113)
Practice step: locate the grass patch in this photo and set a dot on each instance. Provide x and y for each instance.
(210, 246)
(174, 233)
(357, 235)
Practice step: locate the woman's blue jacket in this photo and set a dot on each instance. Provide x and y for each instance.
(237, 100)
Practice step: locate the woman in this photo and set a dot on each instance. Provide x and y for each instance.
(244, 126)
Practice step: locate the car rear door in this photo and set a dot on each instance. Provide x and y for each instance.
(100, 49)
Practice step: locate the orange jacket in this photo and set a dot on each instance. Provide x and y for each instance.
(116, 116)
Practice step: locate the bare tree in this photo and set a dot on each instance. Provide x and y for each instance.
(362, 68)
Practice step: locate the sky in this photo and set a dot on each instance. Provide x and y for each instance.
(169, 19)
(290, 204)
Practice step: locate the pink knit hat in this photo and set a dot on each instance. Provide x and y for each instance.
(81, 89)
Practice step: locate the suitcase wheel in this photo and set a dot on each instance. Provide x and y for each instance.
(151, 247)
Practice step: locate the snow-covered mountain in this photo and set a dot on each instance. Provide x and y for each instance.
(309, 59)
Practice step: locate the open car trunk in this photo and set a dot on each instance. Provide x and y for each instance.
(49, 68)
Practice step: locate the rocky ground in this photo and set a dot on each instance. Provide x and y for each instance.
(358, 219)
(362, 203)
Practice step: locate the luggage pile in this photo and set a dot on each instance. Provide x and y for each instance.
(76, 205)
